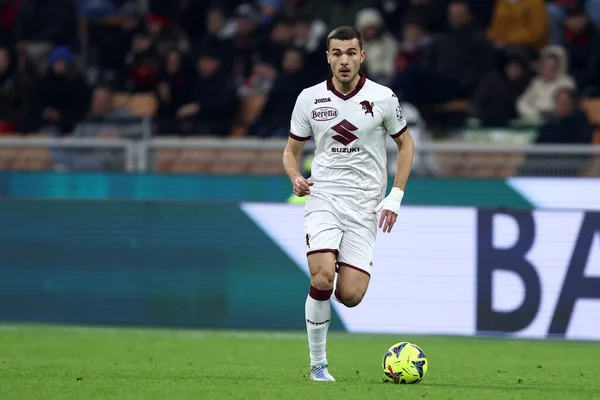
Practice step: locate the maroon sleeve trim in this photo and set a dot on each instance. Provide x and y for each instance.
(299, 138)
(397, 135)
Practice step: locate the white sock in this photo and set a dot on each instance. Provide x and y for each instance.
(318, 316)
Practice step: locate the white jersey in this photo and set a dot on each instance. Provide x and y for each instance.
(350, 135)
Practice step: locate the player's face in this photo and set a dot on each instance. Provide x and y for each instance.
(345, 57)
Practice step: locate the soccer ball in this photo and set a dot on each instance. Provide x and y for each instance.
(404, 362)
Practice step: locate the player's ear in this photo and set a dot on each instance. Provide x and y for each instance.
(327, 54)
(362, 56)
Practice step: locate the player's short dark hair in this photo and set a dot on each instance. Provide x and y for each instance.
(345, 33)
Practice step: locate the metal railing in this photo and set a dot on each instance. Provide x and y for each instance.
(450, 159)
(128, 147)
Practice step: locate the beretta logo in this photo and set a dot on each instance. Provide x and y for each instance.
(324, 113)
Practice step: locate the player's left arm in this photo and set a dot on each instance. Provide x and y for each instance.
(397, 128)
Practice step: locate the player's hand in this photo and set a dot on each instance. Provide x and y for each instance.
(302, 186)
(390, 207)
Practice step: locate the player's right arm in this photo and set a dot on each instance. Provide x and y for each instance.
(300, 132)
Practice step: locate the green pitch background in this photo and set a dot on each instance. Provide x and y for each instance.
(85, 363)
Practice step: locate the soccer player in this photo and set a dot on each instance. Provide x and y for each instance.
(349, 117)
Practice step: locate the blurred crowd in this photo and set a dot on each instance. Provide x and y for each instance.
(61, 61)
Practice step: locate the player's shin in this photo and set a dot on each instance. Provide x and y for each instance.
(318, 316)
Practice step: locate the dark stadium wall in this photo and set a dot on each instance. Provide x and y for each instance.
(238, 188)
(145, 263)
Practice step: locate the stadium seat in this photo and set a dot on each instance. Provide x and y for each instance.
(596, 137)
(143, 104)
(250, 108)
(140, 104)
(459, 105)
(592, 109)
(121, 100)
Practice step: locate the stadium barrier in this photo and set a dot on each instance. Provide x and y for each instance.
(254, 156)
(444, 270)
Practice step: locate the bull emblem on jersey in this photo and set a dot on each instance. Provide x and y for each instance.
(367, 107)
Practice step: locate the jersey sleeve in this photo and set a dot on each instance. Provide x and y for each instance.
(300, 125)
(395, 124)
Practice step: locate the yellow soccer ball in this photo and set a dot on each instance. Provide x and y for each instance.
(404, 363)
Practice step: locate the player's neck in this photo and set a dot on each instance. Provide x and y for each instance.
(346, 88)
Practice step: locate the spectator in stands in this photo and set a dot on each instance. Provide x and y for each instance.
(380, 46)
(8, 16)
(43, 24)
(519, 23)
(103, 120)
(95, 9)
(494, 100)
(16, 77)
(415, 47)
(423, 163)
(165, 35)
(333, 12)
(431, 13)
(581, 39)
(142, 62)
(537, 102)
(274, 119)
(568, 124)
(110, 44)
(269, 9)
(189, 16)
(218, 36)
(278, 41)
(213, 102)
(173, 90)
(310, 36)
(246, 41)
(458, 61)
(261, 81)
(60, 98)
(558, 10)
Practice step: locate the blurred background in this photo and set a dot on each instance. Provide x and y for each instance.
(133, 133)
(113, 75)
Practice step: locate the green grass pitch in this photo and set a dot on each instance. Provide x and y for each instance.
(46, 362)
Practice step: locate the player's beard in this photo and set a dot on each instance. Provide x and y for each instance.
(347, 79)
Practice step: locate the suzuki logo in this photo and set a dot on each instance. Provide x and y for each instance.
(345, 137)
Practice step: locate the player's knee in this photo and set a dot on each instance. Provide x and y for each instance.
(351, 298)
(322, 279)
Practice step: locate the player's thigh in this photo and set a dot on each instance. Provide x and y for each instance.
(323, 232)
(355, 261)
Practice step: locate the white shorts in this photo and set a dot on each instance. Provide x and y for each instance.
(349, 234)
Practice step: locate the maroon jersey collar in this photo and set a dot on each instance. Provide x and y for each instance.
(361, 83)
